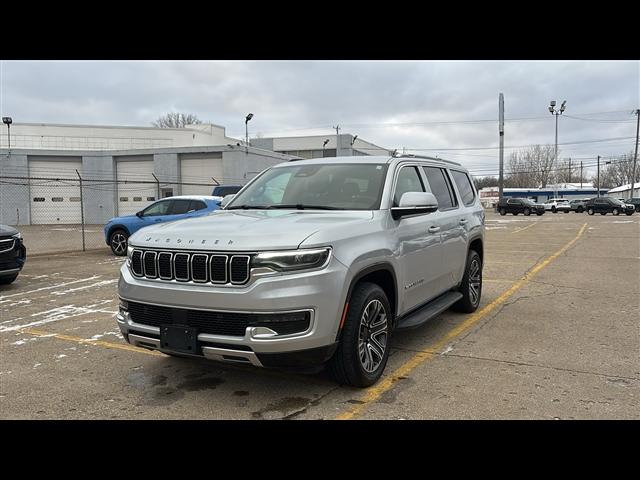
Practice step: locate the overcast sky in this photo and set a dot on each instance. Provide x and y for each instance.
(363, 97)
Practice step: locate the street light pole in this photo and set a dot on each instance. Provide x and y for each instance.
(501, 133)
(555, 112)
(635, 156)
(246, 132)
(8, 121)
(598, 175)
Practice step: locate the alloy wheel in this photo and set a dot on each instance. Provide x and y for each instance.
(373, 335)
(119, 243)
(475, 281)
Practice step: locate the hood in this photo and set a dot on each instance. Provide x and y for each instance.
(6, 230)
(240, 230)
(120, 219)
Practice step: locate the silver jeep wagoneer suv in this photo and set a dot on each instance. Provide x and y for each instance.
(313, 262)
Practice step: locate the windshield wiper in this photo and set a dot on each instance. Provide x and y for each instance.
(302, 206)
(248, 207)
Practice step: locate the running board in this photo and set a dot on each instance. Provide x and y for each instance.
(427, 312)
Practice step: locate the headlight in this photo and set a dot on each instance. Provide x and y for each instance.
(17, 236)
(292, 260)
(129, 253)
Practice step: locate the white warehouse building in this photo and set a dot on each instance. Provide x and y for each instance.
(123, 169)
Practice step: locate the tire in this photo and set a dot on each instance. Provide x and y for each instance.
(118, 241)
(357, 360)
(503, 212)
(526, 212)
(471, 282)
(554, 209)
(540, 214)
(629, 213)
(8, 280)
(580, 210)
(590, 211)
(616, 212)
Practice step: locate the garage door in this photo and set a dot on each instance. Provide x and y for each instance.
(200, 169)
(132, 196)
(54, 201)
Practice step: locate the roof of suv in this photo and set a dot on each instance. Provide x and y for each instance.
(368, 159)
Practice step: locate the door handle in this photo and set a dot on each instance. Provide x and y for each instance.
(463, 221)
(434, 229)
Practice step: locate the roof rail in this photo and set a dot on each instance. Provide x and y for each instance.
(411, 155)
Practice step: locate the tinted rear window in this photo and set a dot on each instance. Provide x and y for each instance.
(440, 187)
(465, 187)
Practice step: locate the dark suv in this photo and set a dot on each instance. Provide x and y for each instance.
(519, 205)
(635, 202)
(604, 205)
(12, 254)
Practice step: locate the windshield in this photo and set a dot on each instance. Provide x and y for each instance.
(328, 187)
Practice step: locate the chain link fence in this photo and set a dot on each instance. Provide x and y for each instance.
(69, 214)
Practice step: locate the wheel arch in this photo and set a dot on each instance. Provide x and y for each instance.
(118, 226)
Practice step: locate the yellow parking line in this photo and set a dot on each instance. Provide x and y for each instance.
(373, 393)
(88, 341)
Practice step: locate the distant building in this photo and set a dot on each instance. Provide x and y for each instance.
(314, 146)
(624, 191)
(571, 191)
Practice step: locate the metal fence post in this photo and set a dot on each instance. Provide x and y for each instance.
(81, 210)
(157, 187)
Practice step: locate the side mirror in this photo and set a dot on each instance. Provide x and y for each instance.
(415, 203)
(139, 214)
(226, 199)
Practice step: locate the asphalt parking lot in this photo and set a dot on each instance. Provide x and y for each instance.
(556, 337)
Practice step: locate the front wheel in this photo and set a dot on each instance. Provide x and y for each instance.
(616, 212)
(471, 286)
(364, 347)
(527, 212)
(554, 209)
(590, 211)
(629, 213)
(503, 212)
(118, 242)
(580, 210)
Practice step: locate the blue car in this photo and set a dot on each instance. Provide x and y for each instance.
(118, 230)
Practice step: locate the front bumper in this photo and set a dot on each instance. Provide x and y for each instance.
(319, 292)
(12, 261)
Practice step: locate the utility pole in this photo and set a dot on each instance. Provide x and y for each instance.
(598, 175)
(580, 174)
(501, 131)
(569, 171)
(635, 156)
(337, 127)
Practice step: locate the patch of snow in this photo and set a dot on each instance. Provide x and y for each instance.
(62, 355)
(37, 365)
(85, 287)
(2, 298)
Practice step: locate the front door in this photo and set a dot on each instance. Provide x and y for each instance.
(418, 245)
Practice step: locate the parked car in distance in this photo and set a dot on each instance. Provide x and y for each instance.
(577, 205)
(519, 205)
(118, 230)
(13, 254)
(315, 262)
(604, 205)
(635, 202)
(557, 205)
(223, 190)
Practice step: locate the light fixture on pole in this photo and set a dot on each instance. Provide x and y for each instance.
(553, 111)
(246, 131)
(8, 121)
(354, 140)
(324, 144)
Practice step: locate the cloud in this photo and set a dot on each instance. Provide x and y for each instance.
(361, 96)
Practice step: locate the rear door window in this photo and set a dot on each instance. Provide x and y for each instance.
(441, 187)
(179, 207)
(465, 187)
(197, 205)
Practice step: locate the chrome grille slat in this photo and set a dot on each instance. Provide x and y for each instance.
(197, 267)
(7, 244)
(149, 264)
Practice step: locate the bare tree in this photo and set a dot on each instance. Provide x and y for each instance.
(531, 167)
(482, 182)
(176, 120)
(564, 174)
(617, 173)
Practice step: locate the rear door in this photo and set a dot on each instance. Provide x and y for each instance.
(451, 219)
(418, 244)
